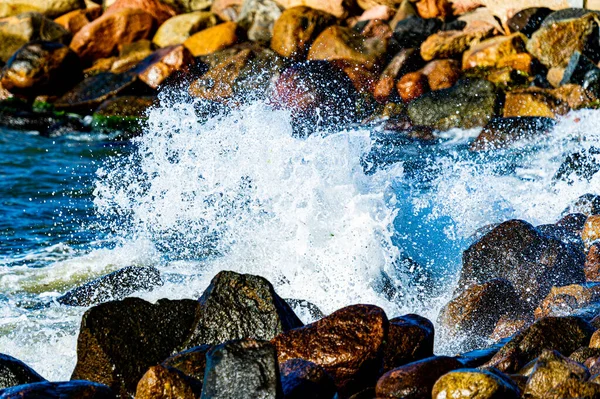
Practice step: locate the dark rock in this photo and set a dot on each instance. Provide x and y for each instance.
(473, 383)
(470, 103)
(508, 326)
(478, 357)
(59, 390)
(412, 31)
(592, 263)
(242, 369)
(550, 370)
(519, 253)
(583, 72)
(127, 114)
(303, 379)
(114, 286)
(505, 132)
(410, 338)
(528, 20)
(415, 380)
(573, 222)
(48, 124)
(14, 372)
(120, 340)
(580, 165)
(529, 343)
(587, 204)
(42, 68)
(348, 344)
(562, 234)
(191, 362)
(161, 382)
(567, 13)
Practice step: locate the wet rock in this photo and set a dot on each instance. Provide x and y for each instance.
(468, 104)
(114, 286)
(591, 231)
(592, 263)
(303, 379)
(567, 13)
(49, 8)
(583, 72)
(528, 20)
(23, 28)
(179, 28)
(491, 52)
(588, 204)
(77, 19)
(410, 338)
(452, 43)
(574, 95)
(257, 18)
(565, 300)
(159, 10)
(507, 132)
(573, 222)
(41, 68)
(191, 362)
(242, 369)
(584, 353)
(412, 86)
(155, 69)
(574, 389)
(412, 31)
(533, 102)
(415, 380)
(434, 8)
(213, 39)
(550, 370)
(116, 28)
(58, 390)
(475, 312)
(478, 357)
(562, 234)
(404, 61)
(236, 306)
(14, 372)
(473, 383)
(553, 44)
(161, 382)
(519, 253)
(296, 29)
(442, 74)
(508, 326)
(118, 341)
(337, 8)
(530, 342)
(348, 344)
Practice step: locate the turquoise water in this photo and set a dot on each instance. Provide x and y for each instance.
(239, 192)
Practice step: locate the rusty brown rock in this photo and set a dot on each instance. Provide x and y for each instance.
(490, 52)
(402, 62)
(161, 382)
(213, 39)
(217, 83)
(574, 388)
(507, 327)
(77, 19)
(534, 102)
(592, 263)
(452, 43)
(159, 10)
(410, 338)
(434, 8)
(191, 362)
(163, 63)
(348, 344)
(412, 86)
(566, 300)
(442, 74)
(591, 230)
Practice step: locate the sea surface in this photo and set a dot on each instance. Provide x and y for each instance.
(335, 219)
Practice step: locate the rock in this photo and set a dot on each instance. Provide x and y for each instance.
(434, 8)
(381, 12)
(519, 253)
(296, 29)
(412, 31)
(581, 165)
(402, 62)
(412, 86)
(533, 102)
(581, 71)
(14, 372)
(305, 310)
(490, 52)
(442, 74)
(553, 44)
(567, 13)
(573, 222)
(120, 340)
(58, 390)
(478, 357)
(18, 30)
(591, 230)
(337, 8)
(509, 132)
(135, 107)
(340, 43)
(410, 338)
(41, 68)
(257, 18)
(562, 301)
(49, 8)
(415, 380)
(587, 204)
(114, 286)
(551, 369)
(363, 79)
(528, 344)
(348, 344)
(236, 306)
(562, 234)
(77, 19)
(213, 39)
(163, 63)
(592, 263)
(575, 96)
(452, 43)
(529, 20)
(159, 10)
(574, 389)
(474, 384)
(178, 29)
(468, 104)
(595, 340)
(508, 326)
(475, 312)
(302, 379)
(191, 362)
(405, 10)
(161, 382)
(226, 10)
(116, 28)
(584, 353)
(242, 369)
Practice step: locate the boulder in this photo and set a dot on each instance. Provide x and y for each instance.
(59, 390)
(518, 252)
(529, 343)
(442, 74)
(491, 52)
(236, 306)
(573, 222)
(591, 231)
(41, 68)
(257, 18)
(303, 379)
(155, 69)
(116, 29)
(114, 286)
(583, 354)
(508, 326)
(470, 103)
(296, 29)
(242, 369)
(77, 19)
(452, 43)
(592, 263)
(583, 164)
(441, 9)
(528, 20)
(402, 62)
(348, 344)
(573, 388)
(410, 338)
(191, 362)
(562, 301)
(473, 383)
(159, 10)
(554, 43)
(213, 39)
(511, 132)
(337, 8)
(14, 372)
(415, 380)
(23, 28)
(178, 29)
(551, 369)
(161, 382)
(49, 8)
(562, 234)
(412, 86)
(118, 341)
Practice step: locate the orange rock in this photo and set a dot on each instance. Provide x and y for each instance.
(592, 263)
(489, 52)
(164, 62)
(213, 39)
(102, 37)
(521, 62)
(452, 43)
(160, 11)
(574, 95)
(555, 76)
(591, 230)
(166, 383)
(442, 74)
(562, 301)
(362, 78)
(507, 327)
(405, 10)
(75, 20)
(384, 87)
(227, 10)
(434, 8)
(412, 85)
(533, 102)
(337, 8)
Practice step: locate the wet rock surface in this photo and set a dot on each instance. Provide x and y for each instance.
(59, 390)
(14, 372)
(303, 379)
(410, 338)
(473, 383)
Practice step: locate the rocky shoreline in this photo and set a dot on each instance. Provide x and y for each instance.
(534, 292)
